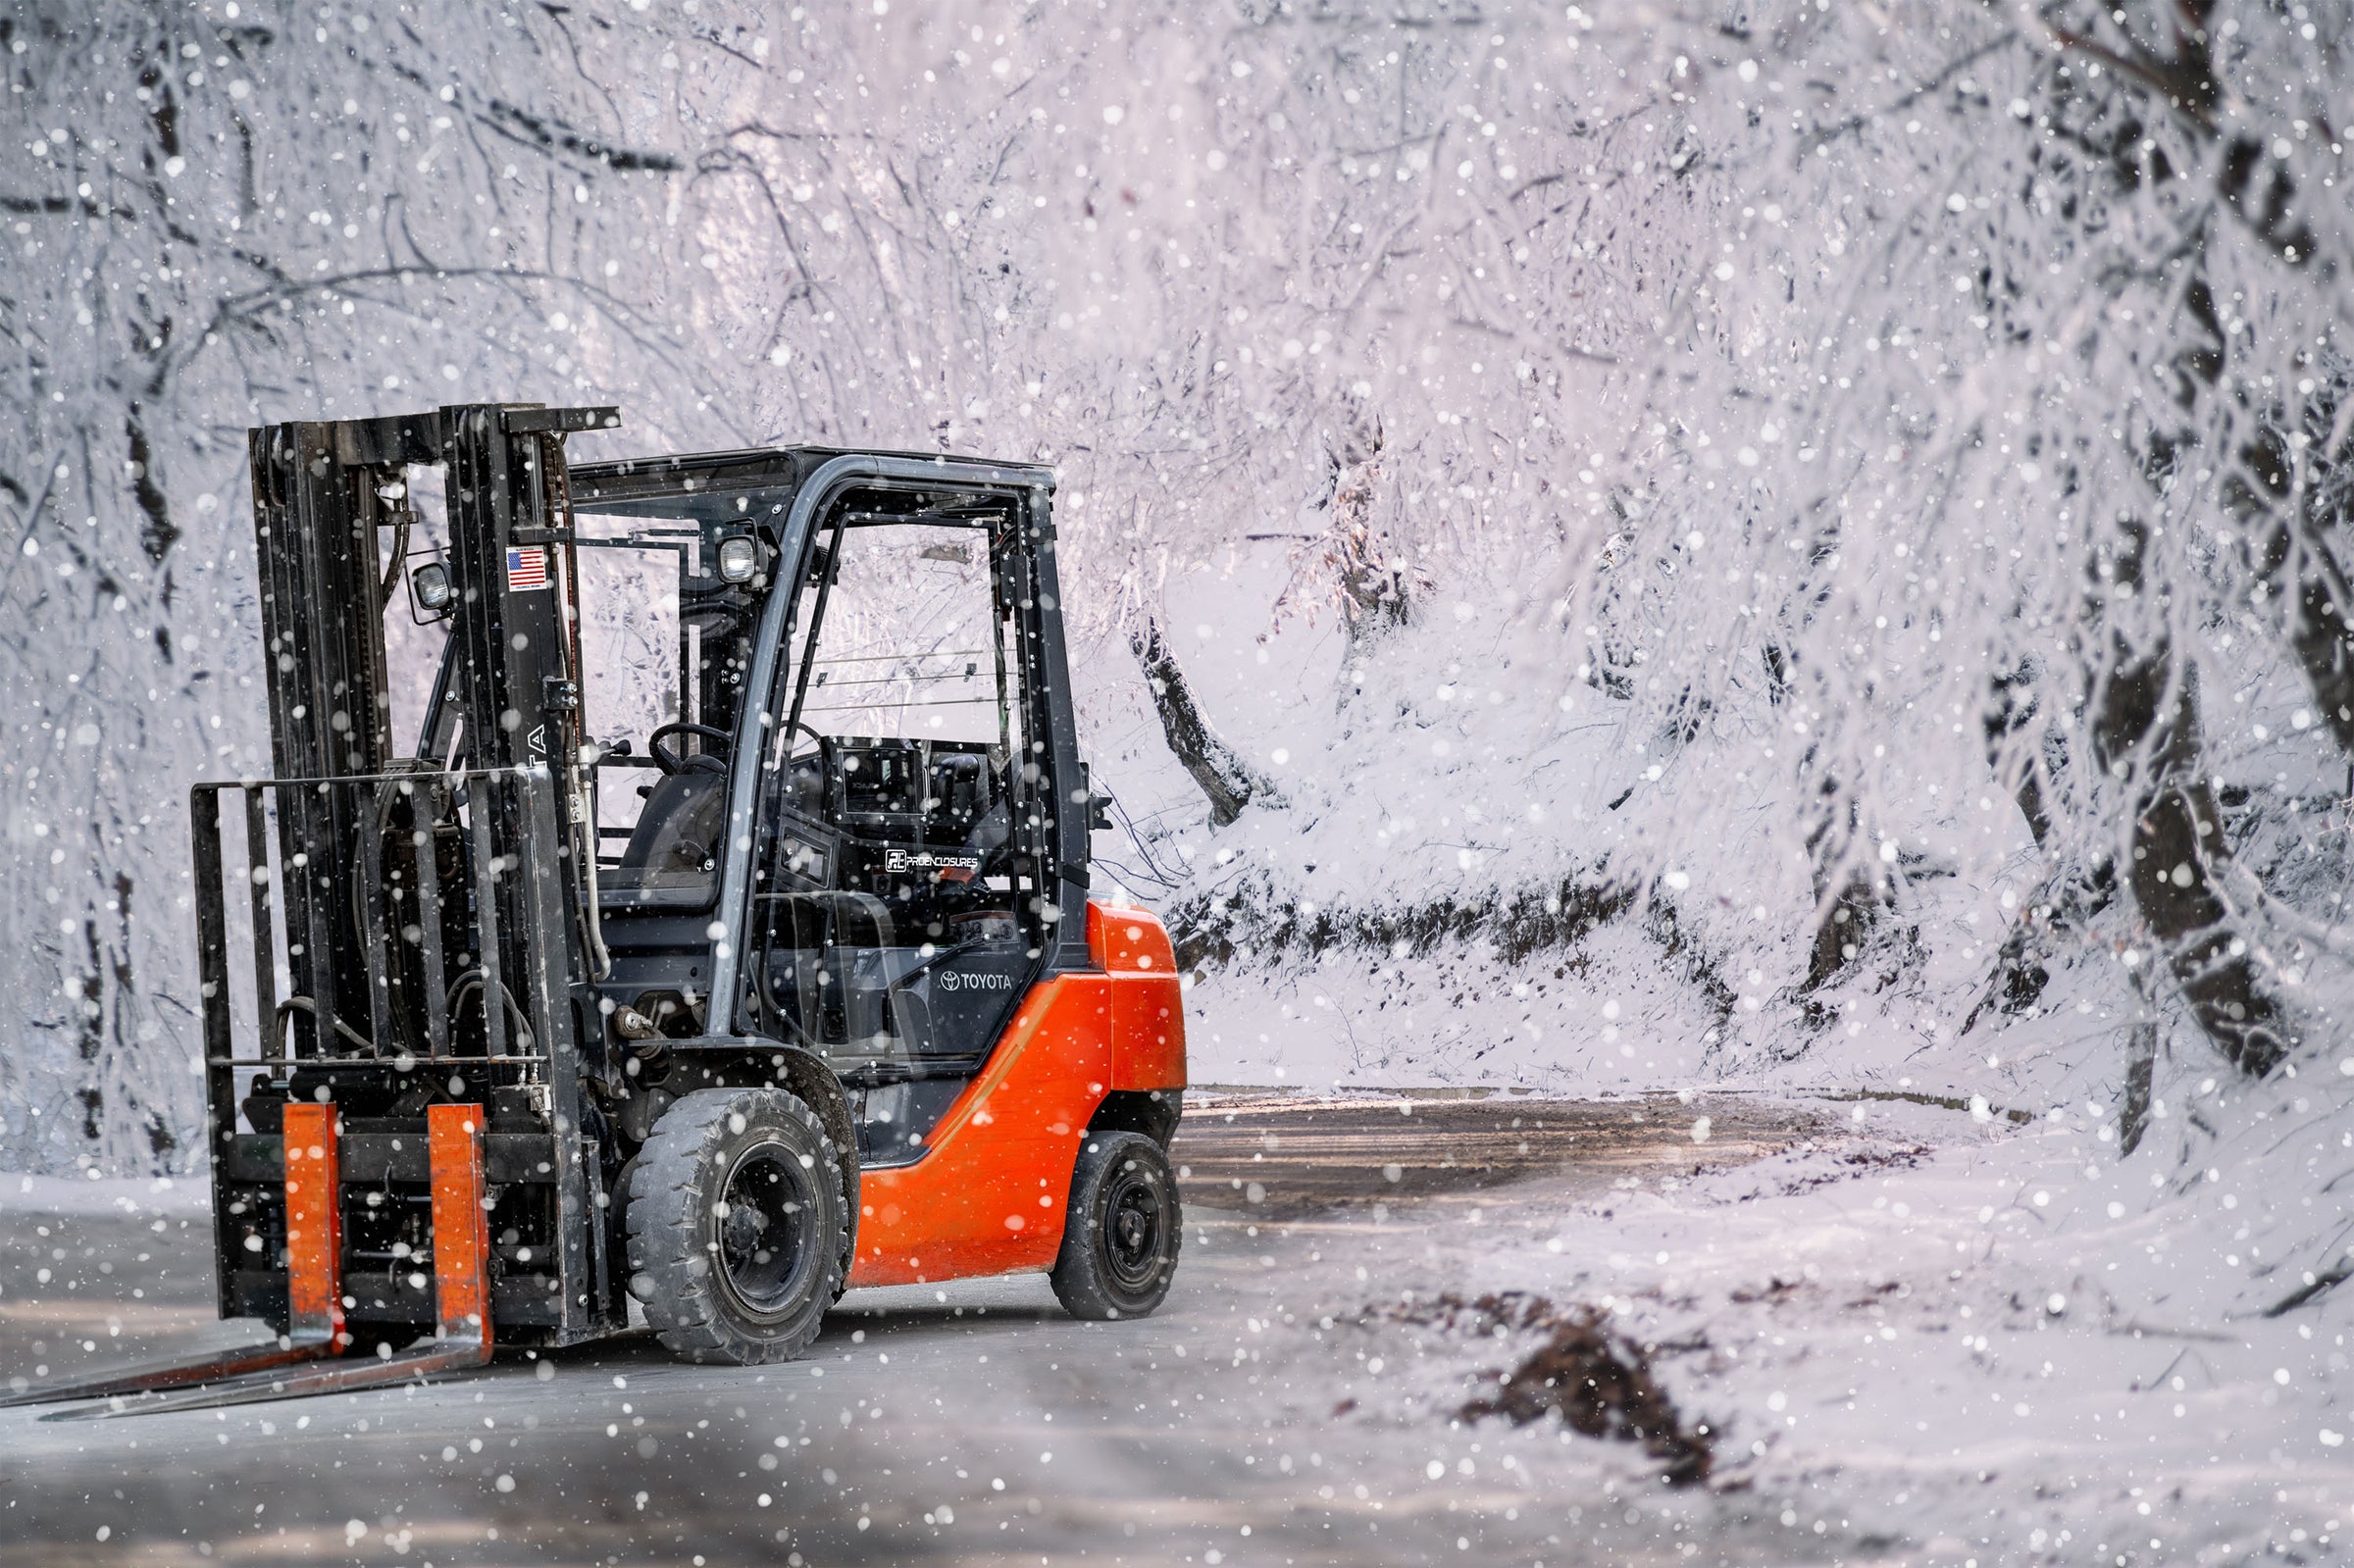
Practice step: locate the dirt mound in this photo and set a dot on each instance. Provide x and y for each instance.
(1597, 1381)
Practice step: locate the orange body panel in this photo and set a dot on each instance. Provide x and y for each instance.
(453, 1141)
(1148, 1050)
(989, 1197)
(314, 1226)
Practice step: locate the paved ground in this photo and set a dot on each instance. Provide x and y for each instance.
(1306, 1155)
(970, 1423)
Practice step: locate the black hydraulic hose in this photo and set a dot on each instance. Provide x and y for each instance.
(291, 1004)
(473, 980)
(360, 892)
(400, 550)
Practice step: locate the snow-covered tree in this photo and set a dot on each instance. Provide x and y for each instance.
(219, 216)
(1842, 445)
(2019, 419)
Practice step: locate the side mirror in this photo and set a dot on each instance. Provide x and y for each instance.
(430, 592)
(1097, 804)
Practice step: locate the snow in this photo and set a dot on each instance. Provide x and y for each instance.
(1931, 1340)
(24, 1192)
(1957, 1330)
(1916, 1336)
(1380, 1022)
(1783, 444)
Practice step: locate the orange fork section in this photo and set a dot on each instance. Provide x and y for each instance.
(314, 1229)
(453, 1141)
(314, 1250)
(314, 1279)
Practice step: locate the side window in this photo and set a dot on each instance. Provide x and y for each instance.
(659, 795)
(895, 940)
(663, 648)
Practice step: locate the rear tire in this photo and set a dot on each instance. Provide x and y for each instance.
(1121, 1234)
(736, 1226)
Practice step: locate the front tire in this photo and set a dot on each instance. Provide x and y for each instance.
(1121, 1234)
(736, 1226)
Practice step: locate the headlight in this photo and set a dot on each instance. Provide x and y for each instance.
(738, 558)
(431, 583)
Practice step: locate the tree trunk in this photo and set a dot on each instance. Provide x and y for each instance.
(2012, 709)
(2178, 845)
(2141, 1060)
(2020, 971)
(1371, 580)
(1847, 922)
(2146, 723)
(2299, 557)
(1223, 777)
(1850, 917)
(1846, 925)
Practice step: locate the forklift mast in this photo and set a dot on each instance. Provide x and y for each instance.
(325, 495)
(382, 936)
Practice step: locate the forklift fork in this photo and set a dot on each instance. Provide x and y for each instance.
(462, 1337)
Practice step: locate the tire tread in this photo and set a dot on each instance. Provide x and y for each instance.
(1077, 1277)
(667, 1200)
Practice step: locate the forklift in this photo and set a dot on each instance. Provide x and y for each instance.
(722, 942)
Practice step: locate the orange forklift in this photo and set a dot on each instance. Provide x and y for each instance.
(723, 943)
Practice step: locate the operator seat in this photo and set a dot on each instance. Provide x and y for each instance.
(675, 843)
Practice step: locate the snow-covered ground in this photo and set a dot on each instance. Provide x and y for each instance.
(1981, 1332)
(1916, 1337)
(1944, 1341)
(22, 1192)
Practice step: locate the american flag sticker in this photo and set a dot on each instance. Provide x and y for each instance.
(527, 568)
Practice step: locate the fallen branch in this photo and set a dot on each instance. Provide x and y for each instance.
(2328, 1279)
(1228, 782)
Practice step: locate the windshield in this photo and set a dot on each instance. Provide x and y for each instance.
(911, 648)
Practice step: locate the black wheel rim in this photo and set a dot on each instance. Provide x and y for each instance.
(1135, 1222)
(762, 1227)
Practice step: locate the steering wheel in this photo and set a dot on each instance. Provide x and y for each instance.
(702, 761)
